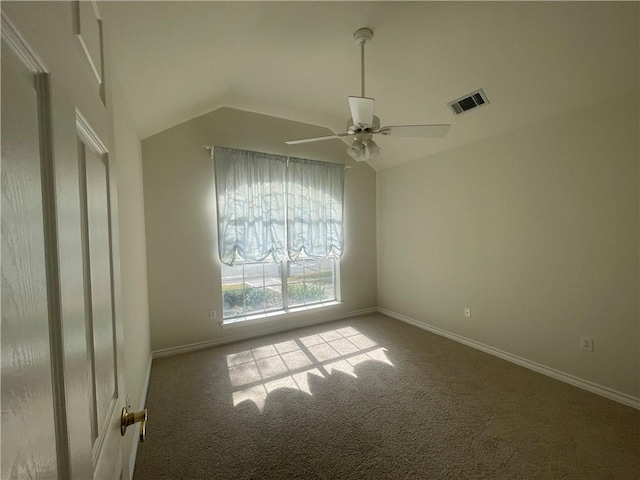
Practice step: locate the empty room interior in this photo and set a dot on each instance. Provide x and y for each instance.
(320, 240)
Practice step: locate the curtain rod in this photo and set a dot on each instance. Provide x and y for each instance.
(210, 148)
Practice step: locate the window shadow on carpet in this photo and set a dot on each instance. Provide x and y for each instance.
(298, 363)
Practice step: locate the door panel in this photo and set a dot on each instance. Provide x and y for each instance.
(89, 33)
(102, 341)
(28, 418)
(98, 294)
(101, 295)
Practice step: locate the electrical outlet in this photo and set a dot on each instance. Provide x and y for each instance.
(467, 312)
(212, 314)
(586, 343)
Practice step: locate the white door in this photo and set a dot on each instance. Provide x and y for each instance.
(62, 385)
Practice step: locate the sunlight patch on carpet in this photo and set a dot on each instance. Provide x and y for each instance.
(256, 373)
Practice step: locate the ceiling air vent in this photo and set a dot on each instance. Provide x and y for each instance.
(469, 102)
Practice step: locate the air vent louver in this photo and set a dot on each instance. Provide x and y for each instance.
(468, 102)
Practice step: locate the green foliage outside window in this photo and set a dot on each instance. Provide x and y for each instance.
(252, 298)
(300, 293)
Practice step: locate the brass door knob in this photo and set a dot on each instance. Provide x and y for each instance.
(129, 418)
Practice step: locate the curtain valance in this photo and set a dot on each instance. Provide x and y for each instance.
(250, 191)
(315, 208)
(269, 204)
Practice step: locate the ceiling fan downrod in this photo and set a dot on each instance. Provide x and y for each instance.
(362, 37)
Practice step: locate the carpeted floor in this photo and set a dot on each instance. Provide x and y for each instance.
(374, 398)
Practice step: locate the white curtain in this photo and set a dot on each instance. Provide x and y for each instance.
(315, 200)
(250, 189)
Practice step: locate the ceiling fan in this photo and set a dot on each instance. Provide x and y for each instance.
(363, 124)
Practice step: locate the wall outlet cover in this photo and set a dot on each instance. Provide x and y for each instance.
(586, 343)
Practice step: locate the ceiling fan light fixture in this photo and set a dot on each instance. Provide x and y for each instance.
(371, 149)
(356, 150)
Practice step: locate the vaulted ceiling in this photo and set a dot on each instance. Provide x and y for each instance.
(297, 60)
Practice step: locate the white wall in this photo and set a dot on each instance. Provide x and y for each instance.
(133, 256)
(182, 262)
(536, 230)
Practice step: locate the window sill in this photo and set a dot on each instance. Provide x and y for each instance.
(277, 315)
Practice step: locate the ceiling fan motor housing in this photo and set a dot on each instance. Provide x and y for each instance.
(352, 128)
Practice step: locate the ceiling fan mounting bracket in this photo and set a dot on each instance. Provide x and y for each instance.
(363, 36)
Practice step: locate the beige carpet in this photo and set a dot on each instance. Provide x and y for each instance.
(374, 398)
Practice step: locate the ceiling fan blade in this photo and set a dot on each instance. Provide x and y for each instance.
(317, 139)
(361, 110)
(436, 131)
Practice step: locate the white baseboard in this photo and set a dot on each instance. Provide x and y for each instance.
(143, 401)
(609, 393)
(252, 333)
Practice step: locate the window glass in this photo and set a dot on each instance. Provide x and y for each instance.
(258, 288)
(311, 281)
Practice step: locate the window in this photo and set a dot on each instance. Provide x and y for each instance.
(250, 288)
(280, 231)
(310, 281)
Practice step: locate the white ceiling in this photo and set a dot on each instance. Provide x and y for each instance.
(297, 60)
